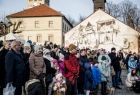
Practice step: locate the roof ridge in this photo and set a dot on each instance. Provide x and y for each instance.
(37, 11)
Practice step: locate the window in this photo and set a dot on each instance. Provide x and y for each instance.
(50, 38)
(38, 39)
(50, 24)
(36, 24)
(29, 37)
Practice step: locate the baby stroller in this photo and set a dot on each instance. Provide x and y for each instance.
(136, 86)
(35, 86)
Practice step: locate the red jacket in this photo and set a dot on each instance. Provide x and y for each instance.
(72, 67)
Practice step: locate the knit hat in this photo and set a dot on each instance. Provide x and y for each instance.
(55, 46)
(29, 41)
(113, 49)
(27, 44)
(71, 47)
(38, 48)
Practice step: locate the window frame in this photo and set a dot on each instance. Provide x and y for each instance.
(36, 23)
(50, 24)
(39, 38)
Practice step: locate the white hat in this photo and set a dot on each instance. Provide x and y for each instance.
(27, 44)
(38, 48)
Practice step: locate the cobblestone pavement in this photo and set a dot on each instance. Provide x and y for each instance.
(124, 90)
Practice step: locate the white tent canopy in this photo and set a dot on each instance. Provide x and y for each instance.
(11, 36)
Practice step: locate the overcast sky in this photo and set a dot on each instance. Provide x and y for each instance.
(72, 8)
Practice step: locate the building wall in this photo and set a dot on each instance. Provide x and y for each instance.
(49, 28)
(101, 30)
(65, 28)
(43, 26)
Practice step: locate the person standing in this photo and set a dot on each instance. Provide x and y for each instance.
(36, 63)
(104, 67)
(115, 63)
(37, 69)
(3, 52)
(83, 60)
(15, 67)
(26, 53)
(71, 71)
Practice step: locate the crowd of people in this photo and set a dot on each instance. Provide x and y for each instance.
(54, 70)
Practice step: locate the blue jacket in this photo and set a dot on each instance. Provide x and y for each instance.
(88, 79)
(96, 76)
(132, 64)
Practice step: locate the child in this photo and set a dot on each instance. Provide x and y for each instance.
(59, 86)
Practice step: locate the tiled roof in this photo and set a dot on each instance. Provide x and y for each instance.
(37, 11)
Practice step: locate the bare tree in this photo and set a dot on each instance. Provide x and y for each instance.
(126, 11)
(130, 13)
(81, 18)
(3, 28)
(113, 9)
(72, 21)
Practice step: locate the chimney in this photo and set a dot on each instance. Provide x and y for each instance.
(32, 3)
(47, 2)
(99, 4)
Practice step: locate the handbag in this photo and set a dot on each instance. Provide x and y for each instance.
(9, 90)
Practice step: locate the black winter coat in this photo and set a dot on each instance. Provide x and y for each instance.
(115, 61)
(3, 53)
(15, 68)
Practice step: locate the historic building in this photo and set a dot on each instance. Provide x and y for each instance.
(100, 30)
(40, 23)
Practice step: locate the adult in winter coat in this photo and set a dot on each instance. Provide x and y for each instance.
(71, 71)
(104, 67)
(26, 54)
(36, 62)
(83, 59)
(3, 52)
(50, 71)
(115, 62)
(15, 67)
